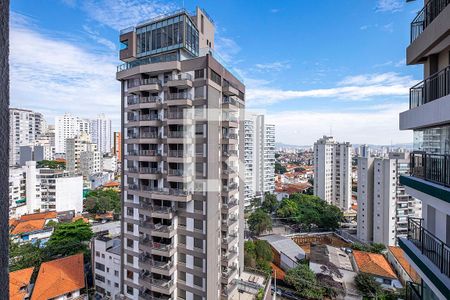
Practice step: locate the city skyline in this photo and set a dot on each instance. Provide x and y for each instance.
(353, 89)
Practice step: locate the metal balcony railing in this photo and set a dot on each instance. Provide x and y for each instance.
(179, 134)
(229, 100)
(181, 76)
(147, 60)
(413, 291)
(147, 170)
(431, 246)
(178, 115)
(431, 167)
(425, 16)
(138, 82)
(136, 99)
(150, 152)
(149, 135)
(179, 96)
(432, 88)
(149, 118)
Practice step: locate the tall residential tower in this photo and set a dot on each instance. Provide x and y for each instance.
(427, 245)
(182, 131)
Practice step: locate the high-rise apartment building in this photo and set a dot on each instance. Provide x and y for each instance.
(259, 157)
(68, 127)
(101, 133)
(82, 155)
(383, 205)
(25, 126)
(427, 245)
(182, 136)
(332, 172)
(117, 146)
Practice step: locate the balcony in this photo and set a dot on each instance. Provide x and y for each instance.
(183, 80)
(146, 61)
(227, 223)
(425, 16)
(431, 167)
(228, 102)
(230, 187)
(230, 153)
(232, 203)
(179, 99)
(229, 90)
(157, 248)
(138, 102)
(152, 85)
(434, 87)
(164, 212)
(228, 273)
(164, 286)
(154, 266)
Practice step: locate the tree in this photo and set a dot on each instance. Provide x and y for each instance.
(270, 203)
(367, 285)
(279, 169)
(99, 201)
(24, 255)
(51, 164)
(374, 248)
(258, 255)
(304, 282)
(68, 239)
(259, 221)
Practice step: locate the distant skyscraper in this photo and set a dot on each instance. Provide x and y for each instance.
(101, 133)
(67, 127)
(25, 127)
(117, 148)
(332, 172)
(259, 157)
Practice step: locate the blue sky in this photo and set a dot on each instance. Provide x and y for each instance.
(313, 67)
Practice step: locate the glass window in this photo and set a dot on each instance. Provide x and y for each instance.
(433, 140)
(198, 262)
(100, 266)
(130, 290)
(198, 281)
(199, 73)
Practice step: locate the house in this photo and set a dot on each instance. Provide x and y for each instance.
(32, 227)
(334, 268)
(287, 254)
(19, 284)
(377, 266)
(396, 257)
(61, 279)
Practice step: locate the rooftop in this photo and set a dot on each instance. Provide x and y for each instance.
(59, 277)
(399, 255)
(18, 282)
(42, 215)
(325, 254)
(373, 264)
(28, 226)
(285, 245)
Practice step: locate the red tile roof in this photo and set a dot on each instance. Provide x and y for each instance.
(18, 281)
(59, 277)
(111, 184)
(28, 226)
(374, 264)
(399, 255)
(42, 215)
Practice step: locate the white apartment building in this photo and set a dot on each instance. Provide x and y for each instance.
(109, 163)
(67, 127)
(25, 126)
(106, 266)
(101, 133)
(17, 191)
(52, 190)
(259, 157)
(383, 205)
(82, 155)
(47, 140)
(332, 172)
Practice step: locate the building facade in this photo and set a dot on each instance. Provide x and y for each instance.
(106, 266)
(25, 127)
(427, 245)
(101, 133)
(68, 127)
(117, 146)
(182, 138)
(259, 157)
(332, 172)
(82, 155)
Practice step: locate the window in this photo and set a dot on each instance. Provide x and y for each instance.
(198, 204)
(216, 77)
(199, 129)
(97, 253)
(116, 285)
(99, 278)
(197, 297)
(182, 257)
(182, 239)
(100, 266)
(198, 224)
(198, 262)
(198, 243)
(130, 290)
(198, 281)
(130, 227)
(130, 243)
(129, 274)
(129, 259)
(387, 281)
(182, 276)
(198, 92)
(116, 273)
(130, 211)
(199, 73)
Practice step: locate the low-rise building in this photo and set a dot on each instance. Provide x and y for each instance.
(106, 264)
(378, 267)
(402, 267)
(33, 227)
(61, 279)
(287, 254)
(20, 284)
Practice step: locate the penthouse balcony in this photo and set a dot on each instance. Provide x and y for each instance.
(434, 87)
(430, 254)
(183, 80)
(425, 16)
(152, 85)
(172, 57)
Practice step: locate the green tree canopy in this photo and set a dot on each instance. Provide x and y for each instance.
(258, 255)
(367, 285)
(52, 164)
(309, 212)
(304, 282)
(99, 201)
(259, 221)
(270, 203)
(279, 169)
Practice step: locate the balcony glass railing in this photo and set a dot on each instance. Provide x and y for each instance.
(431, 167)
(148, 60)
(179, 96)
(431, 246)
(426, 15)
(432, 88)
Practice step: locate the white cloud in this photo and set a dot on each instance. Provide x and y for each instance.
(120, 14)
(360, 87)
(364, 27)
(389, 5)
(377, 126)
(96, 36)
(273, 66)
(274, 10)
(54, 76)
(227, 48)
